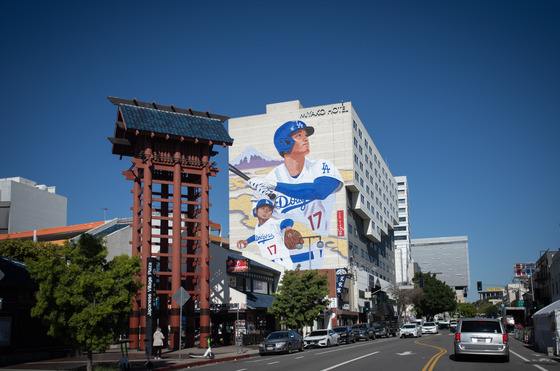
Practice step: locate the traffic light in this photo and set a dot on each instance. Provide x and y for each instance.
(479, 285)
(366, 307)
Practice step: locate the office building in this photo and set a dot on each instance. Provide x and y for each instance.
(354, 222)
(447, 258)
(404, 268)
(25, 206)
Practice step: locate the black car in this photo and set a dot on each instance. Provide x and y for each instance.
(363, 331)
(381, 329)
(281, 342)
(393, 328)
(346, 334)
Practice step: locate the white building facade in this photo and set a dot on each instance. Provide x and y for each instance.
(447, 257)
(358, 217)
(27, 206)
(404, 267)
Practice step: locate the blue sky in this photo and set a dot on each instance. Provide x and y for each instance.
(462, 97)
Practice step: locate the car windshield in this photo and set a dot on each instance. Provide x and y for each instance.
(429, 324)
(359, 326)
(278, 335)
(318, 333)
(409, 326)
(481, 326)
(339, 329)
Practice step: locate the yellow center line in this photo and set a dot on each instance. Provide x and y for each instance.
(432, 362)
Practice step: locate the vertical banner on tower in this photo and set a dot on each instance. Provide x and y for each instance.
(150, 302)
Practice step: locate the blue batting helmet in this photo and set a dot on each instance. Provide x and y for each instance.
(282, 137)
(264, 201)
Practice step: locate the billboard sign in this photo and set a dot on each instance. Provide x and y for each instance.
(523, 270)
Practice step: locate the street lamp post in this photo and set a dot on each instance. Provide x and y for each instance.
(320, 245)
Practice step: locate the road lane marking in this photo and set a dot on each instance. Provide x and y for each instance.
(350, 361)
(526, 360)
(432, 362)
(407, 353)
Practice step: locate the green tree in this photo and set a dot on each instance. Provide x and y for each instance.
(300, 298)
(490, 310)
(25, 250)
(438, 296)
(82, 298)
(467, 310)
(404, 297)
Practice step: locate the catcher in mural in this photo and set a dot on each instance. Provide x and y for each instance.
(275, 238)
(305, 189)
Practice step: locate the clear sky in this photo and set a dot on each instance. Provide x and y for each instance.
(462, 97)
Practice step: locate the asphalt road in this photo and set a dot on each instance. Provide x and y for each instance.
(427, 353)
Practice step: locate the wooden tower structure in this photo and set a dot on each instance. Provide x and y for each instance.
(171, 150)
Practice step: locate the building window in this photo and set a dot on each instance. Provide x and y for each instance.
(260, 287)
(402, 218)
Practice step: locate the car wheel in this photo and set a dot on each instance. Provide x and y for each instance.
(338, 342)
(301, 348)
(328, 343)
(506, 358)
(458, 357)
(289, 351)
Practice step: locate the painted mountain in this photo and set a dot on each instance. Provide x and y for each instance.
(251, 158)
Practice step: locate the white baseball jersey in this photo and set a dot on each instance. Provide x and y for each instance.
(316, 214)
(270, 239)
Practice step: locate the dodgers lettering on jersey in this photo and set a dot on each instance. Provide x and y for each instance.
(316, 214)
(270, 240)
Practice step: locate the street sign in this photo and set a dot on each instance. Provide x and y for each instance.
(181, 296)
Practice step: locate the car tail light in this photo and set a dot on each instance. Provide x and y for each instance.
(457, 337)
(505, 338)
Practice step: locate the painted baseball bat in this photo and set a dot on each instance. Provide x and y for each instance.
(244, 176)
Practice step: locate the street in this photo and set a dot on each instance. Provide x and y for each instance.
(427, 353)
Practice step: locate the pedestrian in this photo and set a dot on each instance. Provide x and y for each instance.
(158, 343)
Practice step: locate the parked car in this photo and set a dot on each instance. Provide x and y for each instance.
(363, 331)
(322, 338)
(481, 336)
(346, 334)
(410, 330)
(381, 329)
(393, 328)
(429, 328)
(281, 342)
(418, 323)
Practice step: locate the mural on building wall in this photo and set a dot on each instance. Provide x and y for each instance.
(289, 189)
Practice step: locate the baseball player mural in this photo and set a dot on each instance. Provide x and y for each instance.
(304, 192)
(275, 237)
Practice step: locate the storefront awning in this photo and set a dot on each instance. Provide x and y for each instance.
(258, 301)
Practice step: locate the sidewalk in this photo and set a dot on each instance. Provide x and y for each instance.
(138, 360)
